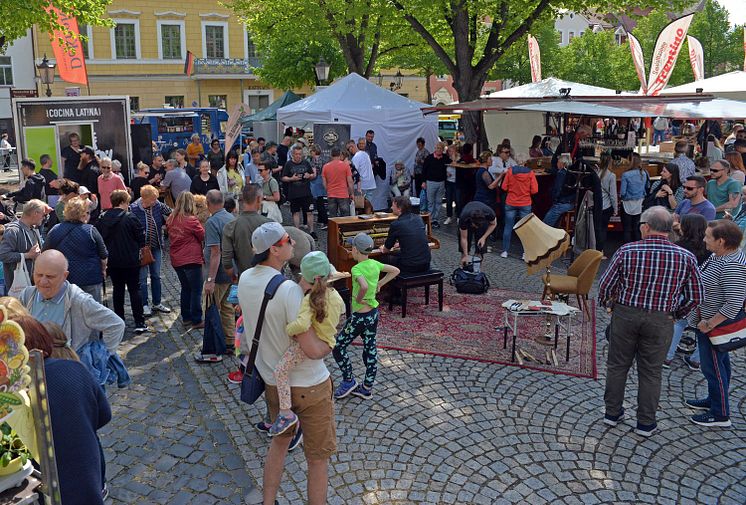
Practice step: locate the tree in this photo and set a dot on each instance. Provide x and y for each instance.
(596, 59)
(480, 33)
(712, 28)
(20, 15)
(515, 66)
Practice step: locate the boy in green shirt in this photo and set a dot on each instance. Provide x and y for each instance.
(364, 319)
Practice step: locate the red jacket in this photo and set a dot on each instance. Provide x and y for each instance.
(186, 235)
(520, 183)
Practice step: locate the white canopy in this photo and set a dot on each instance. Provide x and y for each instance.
(396, 120)
(551, 87)
(731, 85)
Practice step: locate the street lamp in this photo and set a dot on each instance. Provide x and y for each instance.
(322, 70)
(46, 73)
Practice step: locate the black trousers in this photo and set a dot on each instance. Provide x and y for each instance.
(129, 277)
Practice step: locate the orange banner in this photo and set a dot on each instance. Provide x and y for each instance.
(639, 60)
(68, 49)
(696, 57)
(534, 58)
(667, 49)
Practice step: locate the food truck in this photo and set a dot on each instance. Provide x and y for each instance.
(173, 128)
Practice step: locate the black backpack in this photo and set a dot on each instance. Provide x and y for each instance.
(467, 281)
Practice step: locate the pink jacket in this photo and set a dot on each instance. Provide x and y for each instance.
(186, 235)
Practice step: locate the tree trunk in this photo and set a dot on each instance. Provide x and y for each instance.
(428, 87)
(469, 87)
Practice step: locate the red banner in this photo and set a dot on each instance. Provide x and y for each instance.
(68, 49)
(666, 51)
(534, 58)
(696, 57)
(639, 59)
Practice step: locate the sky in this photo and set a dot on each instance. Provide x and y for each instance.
(737, 10)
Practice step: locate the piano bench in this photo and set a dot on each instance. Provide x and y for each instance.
(421, 279)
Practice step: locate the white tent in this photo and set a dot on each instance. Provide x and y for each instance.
(396, 120)
(731, 85)
(551, 87)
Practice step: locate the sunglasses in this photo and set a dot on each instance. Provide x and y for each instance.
(716, 170)
(690, 188)
(284, 240)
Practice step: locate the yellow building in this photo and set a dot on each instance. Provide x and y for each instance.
(144, 55)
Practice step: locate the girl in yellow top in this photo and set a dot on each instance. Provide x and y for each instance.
(321, 308)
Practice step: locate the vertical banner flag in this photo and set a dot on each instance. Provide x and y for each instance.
(696, 57)
(68, 49)
(189, 64)
(534, 58)
(639, 59)
(666, 51)
(233, 127)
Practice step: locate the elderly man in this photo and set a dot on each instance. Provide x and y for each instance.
(311, 387)
(176, 179)
(21, 240)
(53, 299)
(722, 190)
(649, 283)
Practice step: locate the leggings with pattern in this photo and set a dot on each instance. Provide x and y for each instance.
(293, 357)
(365, 325)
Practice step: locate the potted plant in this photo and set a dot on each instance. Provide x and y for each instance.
(13, 454)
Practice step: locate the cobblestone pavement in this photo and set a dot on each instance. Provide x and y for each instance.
(437, 431)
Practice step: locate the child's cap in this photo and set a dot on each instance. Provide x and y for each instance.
(315, 264)
(363, 243)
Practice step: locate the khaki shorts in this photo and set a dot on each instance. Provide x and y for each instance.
(315, 410)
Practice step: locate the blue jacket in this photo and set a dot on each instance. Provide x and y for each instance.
(634, 185)
(160, 211)
(84, 249)
(104, 367)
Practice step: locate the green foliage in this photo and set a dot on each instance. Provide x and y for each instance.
(721, 43)
(514, 65)
(20, 15)
(11, 447)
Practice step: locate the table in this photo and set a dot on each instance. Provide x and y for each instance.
(562, 313)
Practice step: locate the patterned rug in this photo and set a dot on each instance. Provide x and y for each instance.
(471, 327)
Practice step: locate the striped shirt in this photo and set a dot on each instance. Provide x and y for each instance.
(724, 281)
(653, 274)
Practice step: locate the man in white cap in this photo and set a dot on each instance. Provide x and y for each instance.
(311, 387)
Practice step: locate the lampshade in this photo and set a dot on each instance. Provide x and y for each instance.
(542, 244)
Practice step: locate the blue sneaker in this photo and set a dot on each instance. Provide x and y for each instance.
(297, 439)
(646, 430)
(362, 392)
(708, 419)
(345, 388)
(698, 404)
(613, 420)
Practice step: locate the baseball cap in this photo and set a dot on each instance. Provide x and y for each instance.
(82, 190)
(88, 150)
(362, 242)
(266, 236)
(315, 264)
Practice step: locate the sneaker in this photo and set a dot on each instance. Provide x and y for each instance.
(235, 377)
(297, 439)
(667, 363)
(708, 419)
(345, 388)
(693, 365)
(162, 308)
(146, 311)
(207, 358)
(613, 420)
(362, 392)
(323, 227)
(435, 224)
(448, 220)
(282, 424)
(504, 254)
(698, 404)
(263, 427)
(646, 430)
(140, 329)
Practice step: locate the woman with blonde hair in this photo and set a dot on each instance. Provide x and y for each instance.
(737, 169)
(187, 235)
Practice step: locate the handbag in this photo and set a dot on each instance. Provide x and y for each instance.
(21, 279)
(465, 280)
(213, 338)
(730, 334)
(252, 384)
(146, 256)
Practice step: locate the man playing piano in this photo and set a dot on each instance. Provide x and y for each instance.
(413, 252)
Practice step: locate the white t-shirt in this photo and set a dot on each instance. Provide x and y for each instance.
(499, 166)
(364, 167)
(281, 310)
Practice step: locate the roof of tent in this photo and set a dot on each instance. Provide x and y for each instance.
(353, 99)
(270, 112)
(550, 87)
(732, 82)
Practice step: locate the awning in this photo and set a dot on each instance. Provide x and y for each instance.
(581, 109)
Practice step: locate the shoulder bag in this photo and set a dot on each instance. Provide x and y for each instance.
(252, 384)
(730, 334)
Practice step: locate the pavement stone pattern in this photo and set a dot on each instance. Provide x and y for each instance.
(437, 431)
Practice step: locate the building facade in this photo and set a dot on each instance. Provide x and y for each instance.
(17, 79)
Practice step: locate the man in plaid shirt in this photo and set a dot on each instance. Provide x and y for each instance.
(650, 283)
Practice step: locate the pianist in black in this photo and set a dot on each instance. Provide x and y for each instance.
(408, 231)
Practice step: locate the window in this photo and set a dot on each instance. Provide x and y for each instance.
(125, 40)
(6, 71)
(570, 36)
(171, 42)
(175, 101)
(250, 47)
(220, 101)
(214, 41)
(85, 43)
(258, 103)
(134, 103)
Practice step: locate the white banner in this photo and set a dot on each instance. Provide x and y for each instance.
(666, 51)
(639, 59)
(233, 126)
(534, 58)
(696, 57)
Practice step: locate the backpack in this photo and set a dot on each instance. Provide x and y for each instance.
(467, 281)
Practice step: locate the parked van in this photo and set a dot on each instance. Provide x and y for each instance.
(173, 128)
(448, 126)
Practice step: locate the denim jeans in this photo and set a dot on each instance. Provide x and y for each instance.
(512, 214)
(678, 330)
(190, 278)
(715, 367)
(451, 199)
(554, 214)
(658, 136)
(435, 192)
(155, 278)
